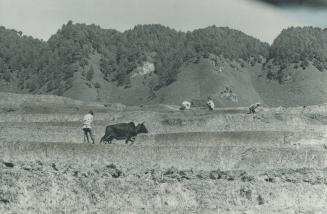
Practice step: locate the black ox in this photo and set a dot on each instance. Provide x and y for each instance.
(123, 131)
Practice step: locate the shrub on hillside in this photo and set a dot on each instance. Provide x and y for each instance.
(97, 85)
(6, 75)
(90, 74)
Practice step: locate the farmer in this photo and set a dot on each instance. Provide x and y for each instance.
(186, 105)
(210, 104)
(87, 128)
(253, 107)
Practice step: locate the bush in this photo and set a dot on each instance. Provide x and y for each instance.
(283, 66)
(270, 75)
(6, 76)
(31, 85)
(69, 83)
(318, 64)
(97, 85)
(49, 86)
(304, 64)
(90, 74)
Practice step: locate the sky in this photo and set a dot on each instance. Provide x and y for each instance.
(42, 18)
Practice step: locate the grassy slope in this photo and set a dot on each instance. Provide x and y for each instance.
(306, 87)
(197, 81)
(85, 90)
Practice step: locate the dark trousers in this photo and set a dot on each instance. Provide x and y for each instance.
(251, 111)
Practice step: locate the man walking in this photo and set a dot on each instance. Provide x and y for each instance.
(87, 128)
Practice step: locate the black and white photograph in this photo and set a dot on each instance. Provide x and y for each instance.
(163, 106)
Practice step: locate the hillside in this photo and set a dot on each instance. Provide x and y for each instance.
(153, 64)
(300, 46)
(93, 64)
(228, 83)
(295, 71)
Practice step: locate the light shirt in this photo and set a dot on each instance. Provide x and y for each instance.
(211, 104)
(87, 121)
(186, 105)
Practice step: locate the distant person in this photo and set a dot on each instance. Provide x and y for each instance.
(210, 104)
(186, 105)
(253, 107)
(87, 126)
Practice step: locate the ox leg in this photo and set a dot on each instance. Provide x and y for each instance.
(132, 140)
(128, 139)
(103, 139)
(109, 139)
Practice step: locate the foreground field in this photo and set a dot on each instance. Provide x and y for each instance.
(224, 161)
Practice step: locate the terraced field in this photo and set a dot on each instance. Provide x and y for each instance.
(225, 161)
